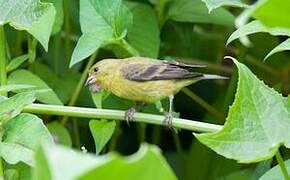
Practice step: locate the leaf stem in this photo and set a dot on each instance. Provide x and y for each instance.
(129, 48)
(32, 43)
(203, 103)
(282, 165)
(3, 59)
(80, 85)
(67, 46)
(93, 113)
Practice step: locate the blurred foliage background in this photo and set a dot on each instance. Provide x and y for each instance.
(182, 30)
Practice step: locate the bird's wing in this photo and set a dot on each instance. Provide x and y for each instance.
(158, 70)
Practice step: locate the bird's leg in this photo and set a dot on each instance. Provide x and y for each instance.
(169, 116)
(129, 114)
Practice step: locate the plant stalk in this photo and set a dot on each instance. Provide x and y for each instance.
(80, 85)
(3, 59)
(282, 165)
(93, 113)
(203, 103)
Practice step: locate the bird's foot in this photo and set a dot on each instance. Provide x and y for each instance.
(168, 119)
(129, 115)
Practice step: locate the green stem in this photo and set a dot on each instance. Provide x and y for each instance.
(93, 113)
(129, 48)
(203, 103)
(282, 165)
(115, 137)
(80, 84)
(3, 80)
(179, 152)
(32, 43)
(3, 59)
(76, 133)
(67, 41)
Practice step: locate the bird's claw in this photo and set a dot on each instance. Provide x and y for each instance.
(129, 115)
(168, 119)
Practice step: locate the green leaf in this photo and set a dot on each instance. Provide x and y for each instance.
(31, 15)
(16, 87)
(102, 132)
(144, 34)
(14, 153)
(257, 123)
(9, 108)
(255, 27)
(273, 13)
(27, 130)
(147, 163)
(88, 43)
(275, 172)
(60, 133)
(16, 62)
(58, 4)
(213, 4)
(195, 11)
(26, 77)
(281, 47)
(101, 21)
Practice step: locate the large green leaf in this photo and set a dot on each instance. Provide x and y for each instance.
(27, 130)
(16, 62)
(285, 45)
(22, 136)
(26, 77)
(14, 153)
(31, 15)
(255, 27)
(213, 4)
(9, 108)
(16, 87)
(257, 123)
(273, 13)
(53, 162)
(102, 132)
(101, 21)
(144, 34)
(275, 173)
(195, 11)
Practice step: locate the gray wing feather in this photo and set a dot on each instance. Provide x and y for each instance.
(157, 71)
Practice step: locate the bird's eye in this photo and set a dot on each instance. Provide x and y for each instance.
(95, 70)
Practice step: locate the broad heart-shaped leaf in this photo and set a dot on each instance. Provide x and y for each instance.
(31, 15)
(257, 124)
(16, 87)
(275, 173)
(59, 163)
(23, 135)
(195, 11)
(26, 77)
(255, 27)
(273, 13)
(60, 133)
(27, 130)
(9, 108)
(102, 132)
(14, 153)
(101, 21)
(285, 45)
(144, 34)
(213, 4)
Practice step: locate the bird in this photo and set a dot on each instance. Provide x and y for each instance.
(144, 80)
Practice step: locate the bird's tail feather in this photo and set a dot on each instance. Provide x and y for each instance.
(213, 76)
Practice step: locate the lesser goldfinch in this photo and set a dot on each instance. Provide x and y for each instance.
(144, 80)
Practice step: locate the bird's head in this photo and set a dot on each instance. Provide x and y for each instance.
(101, 73)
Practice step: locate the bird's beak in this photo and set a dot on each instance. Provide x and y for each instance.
(90, 80)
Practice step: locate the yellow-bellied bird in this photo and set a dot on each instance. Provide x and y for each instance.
(144, 80)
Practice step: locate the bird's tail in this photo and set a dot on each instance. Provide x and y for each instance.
(213, 76)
